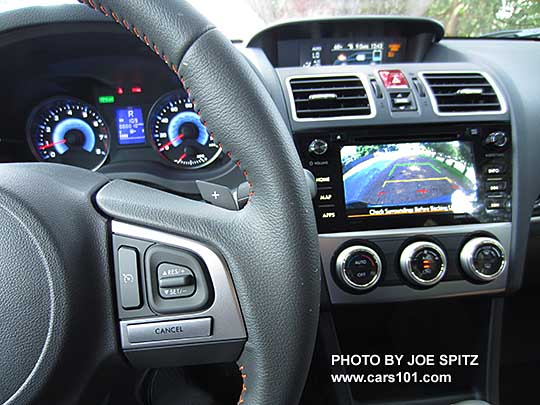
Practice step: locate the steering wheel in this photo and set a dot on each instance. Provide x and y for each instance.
(59, 324)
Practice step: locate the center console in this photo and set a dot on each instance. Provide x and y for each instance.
(412, 212)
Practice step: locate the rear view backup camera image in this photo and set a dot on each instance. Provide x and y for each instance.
(408, 179)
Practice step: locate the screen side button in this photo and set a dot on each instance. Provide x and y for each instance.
(128, 278)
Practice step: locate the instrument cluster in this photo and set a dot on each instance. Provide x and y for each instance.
(68, 130)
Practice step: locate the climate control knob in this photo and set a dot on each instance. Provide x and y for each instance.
(358, 267)
(423, 263)
(483, 259)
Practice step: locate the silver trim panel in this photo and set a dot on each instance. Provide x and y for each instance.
(225, 313)
(360, 76)
(490, 80)
(330, 243)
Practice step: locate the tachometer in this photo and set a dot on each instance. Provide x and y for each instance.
(178, 133)
(69, 131)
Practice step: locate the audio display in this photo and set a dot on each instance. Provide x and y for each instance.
(409, 178)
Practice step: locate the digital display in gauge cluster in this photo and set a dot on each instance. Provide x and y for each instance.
(130, 126)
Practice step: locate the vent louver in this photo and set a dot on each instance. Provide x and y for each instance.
(456, 93)
(328, 97)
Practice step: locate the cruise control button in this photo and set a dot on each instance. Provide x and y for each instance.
(181, 281)
(170, 330)
(175, 281)
(128, 268)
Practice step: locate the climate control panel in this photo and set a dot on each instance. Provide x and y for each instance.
(402, 264)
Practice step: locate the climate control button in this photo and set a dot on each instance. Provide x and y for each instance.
(358, 267)
(483, 259)
(423, 263)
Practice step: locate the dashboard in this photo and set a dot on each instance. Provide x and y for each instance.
(421, 152)
(421, 148)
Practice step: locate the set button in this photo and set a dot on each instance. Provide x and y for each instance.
(175, 281)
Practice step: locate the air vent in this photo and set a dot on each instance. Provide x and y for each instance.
(329, 97)
(457, 93)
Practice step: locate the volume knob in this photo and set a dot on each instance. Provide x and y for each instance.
(318, 147)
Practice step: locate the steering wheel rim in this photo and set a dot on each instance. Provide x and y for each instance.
(271, 245)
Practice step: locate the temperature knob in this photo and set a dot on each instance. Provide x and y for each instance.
(483, 259)
(423, 263)
(358, 267)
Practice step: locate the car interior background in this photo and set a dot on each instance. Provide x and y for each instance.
(416, 124)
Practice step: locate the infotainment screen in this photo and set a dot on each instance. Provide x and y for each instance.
(409, 178)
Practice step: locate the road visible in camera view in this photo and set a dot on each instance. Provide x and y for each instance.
(411, 180)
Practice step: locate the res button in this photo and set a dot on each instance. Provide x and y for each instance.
(175, 281)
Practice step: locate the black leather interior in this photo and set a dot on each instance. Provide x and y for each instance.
(271, 245)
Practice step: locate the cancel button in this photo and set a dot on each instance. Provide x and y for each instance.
(170, 330)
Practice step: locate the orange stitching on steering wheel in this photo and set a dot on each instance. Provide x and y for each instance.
(244, 388)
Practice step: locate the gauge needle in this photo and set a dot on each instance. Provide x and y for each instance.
(180, 136)
(50, 145)
(184, 155)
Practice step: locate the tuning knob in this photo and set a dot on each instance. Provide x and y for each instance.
(483, 259)
(423, 263)
(358, 267)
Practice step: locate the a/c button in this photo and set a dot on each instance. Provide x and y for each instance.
(169, 330)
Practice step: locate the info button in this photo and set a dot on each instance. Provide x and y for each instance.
(170, 330)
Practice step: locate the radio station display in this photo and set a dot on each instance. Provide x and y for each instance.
(409, 179)
(337, 52)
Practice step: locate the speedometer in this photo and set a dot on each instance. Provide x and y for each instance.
(69, 131)
(178, 133)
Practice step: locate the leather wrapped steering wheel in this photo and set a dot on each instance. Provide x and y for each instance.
(55, 267)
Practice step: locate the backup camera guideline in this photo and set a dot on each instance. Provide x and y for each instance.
(408, 178)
